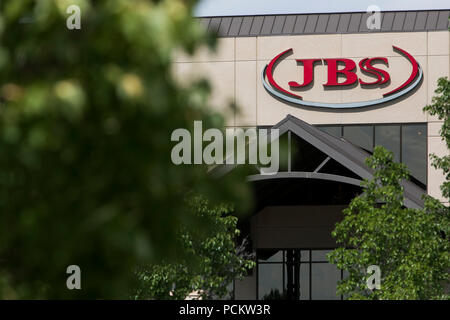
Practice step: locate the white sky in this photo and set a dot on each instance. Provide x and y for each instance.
(253, 7)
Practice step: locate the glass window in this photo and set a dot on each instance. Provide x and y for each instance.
(324, 280)
(305, 157)
(333, 130)
(304, 281)
(388, 136)
(283, 153)
(319, 255)
(361, 136)
(414, 150)
(408, 142)
(304, 255)
(230, 291)
(317, 279)
(270, 281)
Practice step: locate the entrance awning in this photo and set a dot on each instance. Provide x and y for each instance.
(339, 161)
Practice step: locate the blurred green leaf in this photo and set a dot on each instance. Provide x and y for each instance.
(85, 123)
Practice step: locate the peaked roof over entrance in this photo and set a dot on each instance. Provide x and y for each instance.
(340, 150)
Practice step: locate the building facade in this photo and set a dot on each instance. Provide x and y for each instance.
(335, 89)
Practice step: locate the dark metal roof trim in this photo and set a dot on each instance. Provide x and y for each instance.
(325, 23)
(347, 154)
(306, 175)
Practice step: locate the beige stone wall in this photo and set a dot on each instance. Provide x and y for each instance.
(235, 73)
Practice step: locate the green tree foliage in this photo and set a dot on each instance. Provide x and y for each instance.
(440, 107)
(210, 263)
(86, 118)
(409, 245)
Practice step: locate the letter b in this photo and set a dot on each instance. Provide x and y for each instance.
(349, 66)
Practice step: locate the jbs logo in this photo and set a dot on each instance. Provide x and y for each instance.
(341, 72)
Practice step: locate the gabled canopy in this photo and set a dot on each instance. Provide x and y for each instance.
(342, 152)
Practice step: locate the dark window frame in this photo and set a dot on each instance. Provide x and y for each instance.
(309, 262)
(401, 125)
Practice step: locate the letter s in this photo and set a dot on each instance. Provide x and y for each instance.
(367, 67)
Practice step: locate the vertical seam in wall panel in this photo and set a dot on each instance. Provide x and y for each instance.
(256, 77)
(283, 31)
(240, 26)
(396, 15)
(430, 18)
(437, 20)
(273, 24)
(374, 132)
(348, 24)
(341, 91)
(444, 15)
(363, 26)
(401, 142)
(392, 22)
(232, 23)
(315, 25)
(235, 100)
(428, 71)
(289, 151)
(428, 159)
(403, 24)
(228, 32)
(326, 24)
(251, 25)
(306, 23)
(255, 23)
(293, 27)
(345, 28)
(298, 20)
(310, 275)
(337, 27)
(261, 26)
(404, 21)
(414, 24)
(284, 22)
(218, 26)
